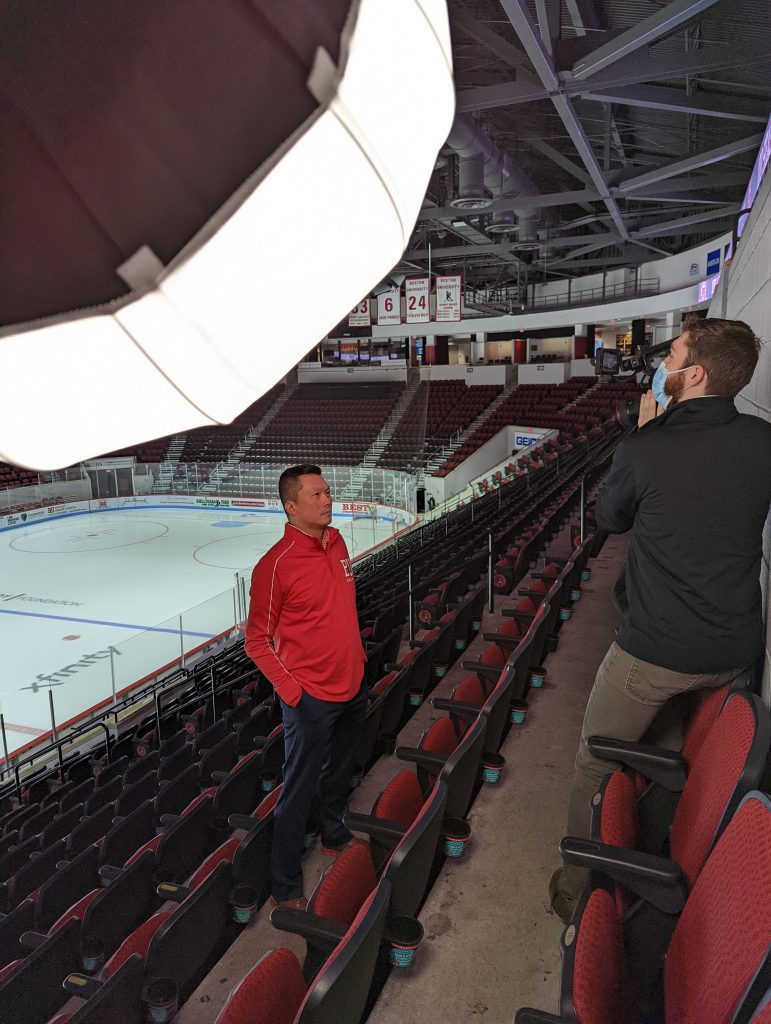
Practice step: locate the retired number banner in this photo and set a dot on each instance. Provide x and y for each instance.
(416, 295)
(447, 298)
(359, 315)
(389, 307)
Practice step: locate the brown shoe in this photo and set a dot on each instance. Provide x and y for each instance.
(561, 904)
(295, 903)
(335, 851)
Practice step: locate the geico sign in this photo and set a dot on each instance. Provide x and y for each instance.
(524, 441)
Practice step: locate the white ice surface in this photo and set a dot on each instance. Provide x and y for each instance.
(74, 588)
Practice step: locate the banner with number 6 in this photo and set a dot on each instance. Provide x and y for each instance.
(416, 294)
(389, 307)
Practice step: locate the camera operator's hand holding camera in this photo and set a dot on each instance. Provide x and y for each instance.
(649, 409)
(635, 412)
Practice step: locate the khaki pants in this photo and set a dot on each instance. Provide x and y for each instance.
(625, 699)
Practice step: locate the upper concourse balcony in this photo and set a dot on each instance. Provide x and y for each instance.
(486, 304)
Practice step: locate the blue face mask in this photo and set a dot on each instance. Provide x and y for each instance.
(658, 382)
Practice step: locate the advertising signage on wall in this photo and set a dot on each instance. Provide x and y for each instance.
(713, 262)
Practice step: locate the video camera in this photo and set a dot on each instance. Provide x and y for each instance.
(644, 360)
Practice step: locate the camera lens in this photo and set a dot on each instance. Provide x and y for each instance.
(627, 412)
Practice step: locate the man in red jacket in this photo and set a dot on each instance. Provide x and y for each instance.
(303, 635)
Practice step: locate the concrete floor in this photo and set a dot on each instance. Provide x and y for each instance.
(492, 944)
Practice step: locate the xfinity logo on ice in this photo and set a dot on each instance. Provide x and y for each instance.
(55, 678)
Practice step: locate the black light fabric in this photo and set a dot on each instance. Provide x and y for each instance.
(694, 485)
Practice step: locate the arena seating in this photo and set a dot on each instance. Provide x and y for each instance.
(348, 883)
(15, 476)
(715, 966)
(275, 991)
(445, 407)
(209, 444)
(573, 407)
(728, 765)
(336, 422)
(189, 764)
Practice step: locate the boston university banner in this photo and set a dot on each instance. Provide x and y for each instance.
(448, 298)
(416, 294)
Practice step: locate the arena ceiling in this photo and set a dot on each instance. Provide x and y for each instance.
(632, 127)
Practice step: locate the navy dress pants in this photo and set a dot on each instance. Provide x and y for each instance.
(320, 739)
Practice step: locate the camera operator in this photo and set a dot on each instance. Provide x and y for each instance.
(693, 484)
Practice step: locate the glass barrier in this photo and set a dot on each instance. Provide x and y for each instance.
(98, 679)
(153, 652)
(53, 702)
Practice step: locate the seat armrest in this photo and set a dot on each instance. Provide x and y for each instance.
(516, 613)
(167, 820)
(417, 643)
(664, 767)
(389, 833)
(555, 561)
(81, 985)
(393, 666)
(219, 776)
(31, 940)
(175, 893)
(528, 1016)
(503, 641)
(242, 821)
(422, 758)
(488, 671)
(108, 873)
(468, 712)
(321, 932)
(657, 880)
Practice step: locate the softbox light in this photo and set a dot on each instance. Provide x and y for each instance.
(194, 194)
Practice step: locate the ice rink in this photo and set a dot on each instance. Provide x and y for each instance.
(117, 593)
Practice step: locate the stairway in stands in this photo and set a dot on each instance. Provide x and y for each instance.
(378, 446)
(439, 457)
(223, 469)
(165, 482)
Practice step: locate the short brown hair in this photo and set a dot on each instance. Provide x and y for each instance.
(727, 349)
(289, 482)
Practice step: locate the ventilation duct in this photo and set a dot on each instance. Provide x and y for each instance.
(499, 175)
(472, 194)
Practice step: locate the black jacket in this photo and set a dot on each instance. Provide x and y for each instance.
(694, 485)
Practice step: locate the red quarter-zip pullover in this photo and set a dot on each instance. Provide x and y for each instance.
(303, 631)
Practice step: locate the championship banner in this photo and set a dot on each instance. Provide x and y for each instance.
(359, 315)
(416, 294)
(447, 298)
(389, 308)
